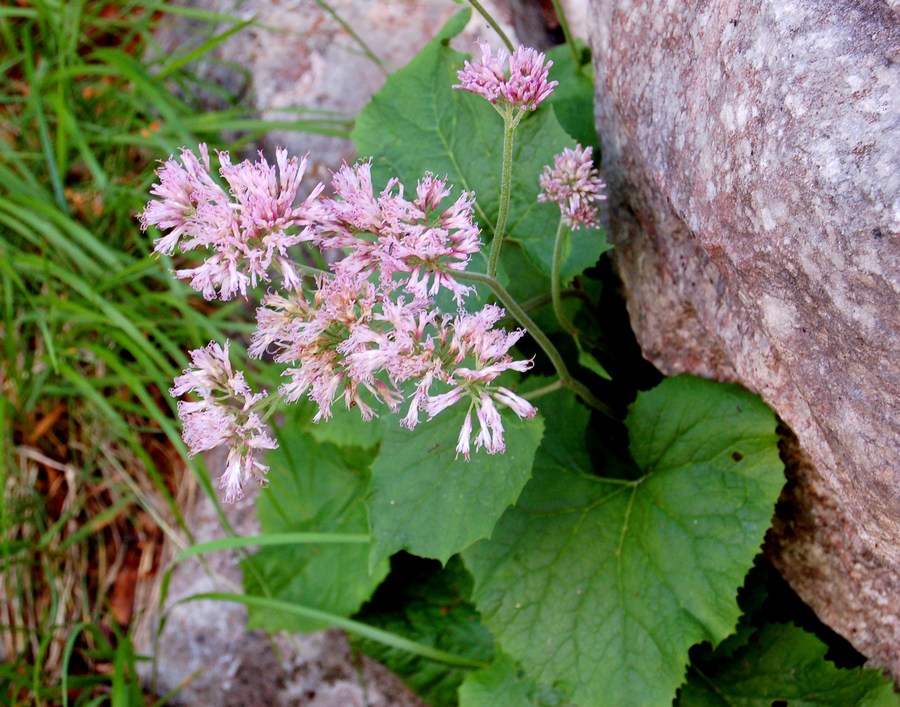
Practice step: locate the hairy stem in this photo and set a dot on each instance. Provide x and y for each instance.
(513, 307)
(562, 234)
(543, 390)
(493, 23)
(509, 129)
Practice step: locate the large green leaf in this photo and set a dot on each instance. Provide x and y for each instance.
(312, 488)
(782, 664)
(346, 428)
(505, 683)
(427, 501)
(429, 604)
(573, 99)
(418, 123)
(602, 585)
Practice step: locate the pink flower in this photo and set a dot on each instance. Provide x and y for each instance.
(471, 339)
(224, 414)
(527, 85)
(248, 230)
(354, 336)
(356, 204)
(486, 78)
(211, 370)
(490, 435)
(391, 235)
(525, 88)
(189, 201)
(574, 184)
(463, 445)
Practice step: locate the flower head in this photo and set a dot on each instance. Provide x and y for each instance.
(527, 85)
(391, 235)
(189, 200)
(573, 183)
(524, 88)
(222, 414)
(369, 331)
(248, 229)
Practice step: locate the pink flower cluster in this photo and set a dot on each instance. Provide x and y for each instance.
(525, 87)
(573, 183)
(392, 236)
(369, 332)
(223, 414)
(248, 229)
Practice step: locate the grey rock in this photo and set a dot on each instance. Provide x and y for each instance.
(205, 652)
(297, 54)
(752, 151)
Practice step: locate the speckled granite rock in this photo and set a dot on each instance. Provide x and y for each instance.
(753, 155)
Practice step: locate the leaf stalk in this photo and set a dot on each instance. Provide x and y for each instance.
(514, 308)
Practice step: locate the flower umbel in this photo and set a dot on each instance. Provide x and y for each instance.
(369, 331)
(224, 414)
(248, 230)
(419, 241)
(526, 85)
(573, 183)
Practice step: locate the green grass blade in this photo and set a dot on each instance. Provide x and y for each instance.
(268, 539)
(355, 627)
(35, 102)
(202, 50)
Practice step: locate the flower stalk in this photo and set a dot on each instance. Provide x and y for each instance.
(509, 130)
(567, 33)
(479, 8)
(562, 235)
(542, 340)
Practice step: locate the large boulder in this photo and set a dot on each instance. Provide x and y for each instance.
(752, 151)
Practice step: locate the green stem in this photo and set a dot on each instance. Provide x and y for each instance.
(372, 56)
(540, 337)
(543, 390)
(567, 33)
(562, 234)
(493, 23)
(509, 129)
(543, 300)
(270, 406)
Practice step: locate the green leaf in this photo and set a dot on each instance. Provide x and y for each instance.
(587, 359)
(427, 501)
(428, 604)
(418, 123)
(601, 585)
(346, 428)
(573, 98)
(505, 683)
(313, 488)
(782, 664)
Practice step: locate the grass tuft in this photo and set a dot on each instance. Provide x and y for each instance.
(92, 330)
